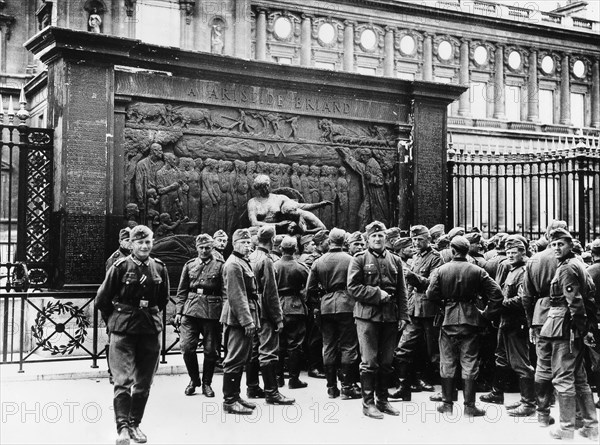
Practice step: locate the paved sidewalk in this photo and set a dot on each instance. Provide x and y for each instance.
(47, 410)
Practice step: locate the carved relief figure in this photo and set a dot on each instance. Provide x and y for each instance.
(305, 182)
(241, 188)
(295, 177)
(327, 187)
(187, 116)
(191, 178)
(307, 221)
(141, 112)
(132, 214)
(242, 123)
(314, 195)
(342, 188)
(166, 225)
(293, 122)
(95, 23)
(210, 200)
(286, 172)
(217, 42)
(169, 181)
(250, 172)
(145, 172)
(152, 207)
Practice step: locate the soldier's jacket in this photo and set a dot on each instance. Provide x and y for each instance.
(116, 256)
(262, 265)
(418, 281)
(456, 286)
(594, 272)
(368, 274)
(513, 314)
(312, 258)
(291, 282)
(328, 279)
(539, 271)
(240, 294)
(199, 291)
(132, 295)
(218, 255)
(569, 290)
(491, 266)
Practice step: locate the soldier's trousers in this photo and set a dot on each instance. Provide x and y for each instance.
(192, 328)
(376, 341)
(265, 345)
(566, 360)
(459, 344)
(543, 367)
(339, 334)
(419, 328)
(314, 341)
(239, 346)
(293, 334)
(133, 361)
(513, 351)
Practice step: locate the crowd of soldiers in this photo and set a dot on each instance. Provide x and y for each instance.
(383, 312)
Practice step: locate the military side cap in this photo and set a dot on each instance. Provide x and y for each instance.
(456, 231)
(392, 233)
(241, 234)
(473, 237)
(514, 243)
(288, 242)
(437, 230)
(305, 239)
(402, 243)
(278, 239)
(220, 234)
(374, 227)
(266, 233)
(124, 234)
(510, 239)
(320, 236)
(140, 232)
(337, 236)
(204, 238)
(460, 243)
(355, 237)
(595, 246)
(558, 234)
(443, 242)
(577, 248)
(419, 230)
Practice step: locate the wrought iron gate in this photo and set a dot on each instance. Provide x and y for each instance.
(522, 192)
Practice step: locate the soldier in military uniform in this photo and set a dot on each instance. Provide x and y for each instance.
(456, 286)
(564, 331)
(198, 309)
(512, 350)
(220, 242)
(422, 313)
(539, 271)
(327, 282)
(314, 340)
(376, 282)
(356, 243)
(124, 249)
(265, 348)
(134, 291)
(240, 318)
(594, 271)
(291, 283)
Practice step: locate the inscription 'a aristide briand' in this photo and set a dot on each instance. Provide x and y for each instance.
(260, 97)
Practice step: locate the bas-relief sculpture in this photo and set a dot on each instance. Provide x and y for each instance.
(191, 169)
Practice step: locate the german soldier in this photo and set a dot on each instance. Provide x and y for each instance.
(376, 282)
(240, 317)
(220, 242)
(198, 309)
(456, 285)
(327, 281)
(134, 291)
(291, 283)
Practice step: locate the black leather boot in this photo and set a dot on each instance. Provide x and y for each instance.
(136, 412)
(497, 394)
(122, 406)
(294, 364)
(527, 406)
(191, 364)
(253, 390)
(231, 392)
(447, 399)
(381, 394)
(272, 394)
(469, 395)
(137, 434)
(566, 408)
(349, 390)
(124, 437)
(367, 383)
(403, 392)
(208, 370)
(589, 430)
(331, 376)
(543, 392)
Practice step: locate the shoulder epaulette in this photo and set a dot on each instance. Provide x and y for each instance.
(159, 261)
(190, 261)
(360, 253)
(120, 261)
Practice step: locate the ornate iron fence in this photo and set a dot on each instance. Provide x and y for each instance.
(521, 192)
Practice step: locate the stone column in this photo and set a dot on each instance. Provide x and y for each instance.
(596, 94)
(349, 46)
(533, 106)
(565, 92)
(499, 105)
(185, 27)
(464, 106)
(388, 62)
(428, 57)
(306, 45)
(261, 35)
(241, 30)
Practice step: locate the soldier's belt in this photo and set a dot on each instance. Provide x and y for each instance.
(122, 307)
(457, 300)
(201, 291)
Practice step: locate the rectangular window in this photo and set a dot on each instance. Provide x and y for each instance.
(513, 103)
(152, 17)
(546, 106)
(578, 110)
(478, 98)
